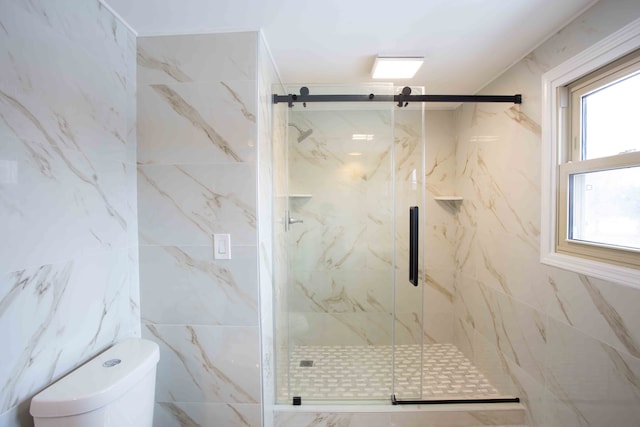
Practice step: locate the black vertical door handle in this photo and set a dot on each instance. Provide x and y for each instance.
(413, 245)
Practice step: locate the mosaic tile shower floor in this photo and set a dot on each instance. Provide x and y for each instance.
(365, 372)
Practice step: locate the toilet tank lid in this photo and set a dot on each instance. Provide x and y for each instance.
(99, 381)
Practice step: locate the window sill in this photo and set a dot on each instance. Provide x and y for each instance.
(600, 270)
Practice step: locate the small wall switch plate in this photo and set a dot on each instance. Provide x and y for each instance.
(222, 246)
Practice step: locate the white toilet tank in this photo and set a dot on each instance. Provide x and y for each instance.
(116, 388)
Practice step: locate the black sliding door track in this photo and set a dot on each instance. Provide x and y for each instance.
(402, 99)
(395, 401)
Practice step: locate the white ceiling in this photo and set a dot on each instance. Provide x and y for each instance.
(466, 43)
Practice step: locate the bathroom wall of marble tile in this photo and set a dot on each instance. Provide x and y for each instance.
(439, 231)
(566, 343)
(203, 106)
(340, 258)
(415, 416)
(409, 190)
(68, 258)
(342, 255)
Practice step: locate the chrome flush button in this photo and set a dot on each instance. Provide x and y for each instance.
(111, 363)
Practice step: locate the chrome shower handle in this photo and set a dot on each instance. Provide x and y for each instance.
(288, 220)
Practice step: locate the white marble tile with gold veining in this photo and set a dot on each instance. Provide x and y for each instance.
(409, 329)
(590, 382)
(197, 58)
(416, 416)
(512, 266)
(494, 365)
(520, 334)
(341, 291)
(66, 104)
(293, 419)
(473, 306)
(438, 315)
(212, 364)
(185, 285)
(212, 122)
(85, 26)
(332, 247)
(605, 311)
(47, 332)
(131, 112)
(186, 204)
(84, 214)
(170, 414)
(340, 328)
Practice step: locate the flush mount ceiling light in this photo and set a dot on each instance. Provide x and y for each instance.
(396, 67)
(362, 137)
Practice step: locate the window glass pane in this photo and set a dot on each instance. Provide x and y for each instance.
(605, 207)
(611, 119)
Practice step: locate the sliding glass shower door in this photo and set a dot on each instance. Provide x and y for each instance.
(409, 253)
(353, 173)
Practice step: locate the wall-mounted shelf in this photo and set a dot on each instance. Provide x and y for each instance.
(295, 196)
(449, 198)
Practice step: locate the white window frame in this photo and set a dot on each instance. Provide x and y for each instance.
(554, 125)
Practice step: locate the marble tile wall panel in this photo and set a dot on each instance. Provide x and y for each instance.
(602, 388)
(343, 291)
(514, 337)
(341, 288)
(54, 335)
(132, 180)
(197, 58)
(439, 235)
(408, 418)
(409, 184)
(438, 315)
(68, 275)
(510, 379)
(170, 414)
(602, 310)
(564, 342)
(186, 204)
(206, 364)
(330, 247)
(199, 122)
(329, 278)
(291, 419)
(184, 285)
(43, 92)
(181, 123)
(340, 328)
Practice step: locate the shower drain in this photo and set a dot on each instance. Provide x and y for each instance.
(306, 363)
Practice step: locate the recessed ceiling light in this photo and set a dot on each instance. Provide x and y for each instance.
(362, 137)
(396, 68)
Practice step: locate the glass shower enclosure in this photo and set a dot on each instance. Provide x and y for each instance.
(351, 173)
(349, 322)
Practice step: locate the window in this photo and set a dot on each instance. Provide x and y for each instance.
(599, 178)
(591, 161)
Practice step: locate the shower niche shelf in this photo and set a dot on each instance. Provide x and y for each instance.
(448, 198)
(296, 196)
